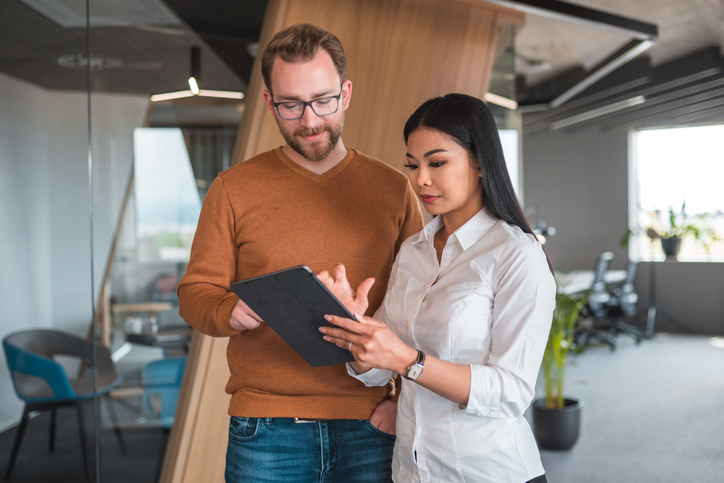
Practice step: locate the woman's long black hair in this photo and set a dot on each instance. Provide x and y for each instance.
(471, 124)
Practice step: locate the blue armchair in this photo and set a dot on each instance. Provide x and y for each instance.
(42, 383)
(161, 381)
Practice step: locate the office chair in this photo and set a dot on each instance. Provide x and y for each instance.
(622, 306)
(42, 383)
(597, 306)
(161, 381)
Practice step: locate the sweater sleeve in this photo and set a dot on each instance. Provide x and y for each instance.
(205, 301)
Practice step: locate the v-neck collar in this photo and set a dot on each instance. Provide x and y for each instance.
(320, 178)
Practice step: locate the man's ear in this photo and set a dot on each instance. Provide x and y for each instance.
(346, 93)
(268, 100)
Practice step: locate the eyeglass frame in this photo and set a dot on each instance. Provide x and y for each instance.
(308, 103)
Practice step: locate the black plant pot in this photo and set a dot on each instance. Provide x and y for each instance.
(557, 428)
(671, 246)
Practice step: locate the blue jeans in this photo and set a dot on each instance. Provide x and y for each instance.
(280, 450)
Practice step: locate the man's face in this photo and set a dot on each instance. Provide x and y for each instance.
(312, 136)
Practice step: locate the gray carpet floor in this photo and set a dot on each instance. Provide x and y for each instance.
(652, 412)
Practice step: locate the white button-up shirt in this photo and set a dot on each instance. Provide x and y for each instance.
(488, 303)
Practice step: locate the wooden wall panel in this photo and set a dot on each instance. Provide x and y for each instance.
(399, 53)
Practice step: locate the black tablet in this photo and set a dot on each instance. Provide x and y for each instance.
(293, 302)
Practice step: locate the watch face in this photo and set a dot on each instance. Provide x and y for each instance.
(414, 372)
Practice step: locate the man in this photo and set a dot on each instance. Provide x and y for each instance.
(311, 202)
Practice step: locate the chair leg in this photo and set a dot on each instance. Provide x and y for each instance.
(18, 440)
(52, 430)
(81, 429)
(629, 329)
(114, 419)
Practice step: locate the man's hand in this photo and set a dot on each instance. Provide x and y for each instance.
(384, 416)
(242, 317)
(356, 303)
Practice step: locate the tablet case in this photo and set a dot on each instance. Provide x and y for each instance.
(293, 302)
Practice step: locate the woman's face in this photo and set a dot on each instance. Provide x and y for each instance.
(442, 174)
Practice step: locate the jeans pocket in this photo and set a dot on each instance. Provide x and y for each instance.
(245, 429)
(371, 427)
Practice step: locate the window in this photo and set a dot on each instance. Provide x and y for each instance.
(671, 168)
(167, 200)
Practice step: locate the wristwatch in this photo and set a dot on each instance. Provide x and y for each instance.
(415, 370)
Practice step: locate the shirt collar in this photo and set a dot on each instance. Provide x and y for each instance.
(467, 235)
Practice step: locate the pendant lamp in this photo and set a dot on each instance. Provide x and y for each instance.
(194, 79)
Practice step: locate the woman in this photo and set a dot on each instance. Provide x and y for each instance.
(467, 312)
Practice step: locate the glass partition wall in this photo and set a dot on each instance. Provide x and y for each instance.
(100, 190)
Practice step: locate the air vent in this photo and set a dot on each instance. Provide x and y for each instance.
(105, 13)
(80, 61)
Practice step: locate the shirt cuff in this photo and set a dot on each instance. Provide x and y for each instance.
(373, 377)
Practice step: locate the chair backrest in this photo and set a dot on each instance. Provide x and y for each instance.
(626, 294)
(599, 296)
(161, 379)
(601, 267)
(36, 376)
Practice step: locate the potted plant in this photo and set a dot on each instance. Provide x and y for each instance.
(556, 419)
(671, 229)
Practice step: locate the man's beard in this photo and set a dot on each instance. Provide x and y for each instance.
(315, 151)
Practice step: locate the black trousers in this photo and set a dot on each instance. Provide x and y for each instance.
(540, 479)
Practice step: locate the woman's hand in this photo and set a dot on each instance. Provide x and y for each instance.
(371, 343)
(340, 287)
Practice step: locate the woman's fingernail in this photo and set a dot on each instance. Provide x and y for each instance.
(357, 316)
(325, 338)
(328, 318)
(322, 330)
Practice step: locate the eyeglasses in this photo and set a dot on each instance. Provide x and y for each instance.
(292, 110)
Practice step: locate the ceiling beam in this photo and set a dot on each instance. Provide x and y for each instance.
(676, 117)
(583, 15)
(644, 35)
(669, 87)
(668, 102)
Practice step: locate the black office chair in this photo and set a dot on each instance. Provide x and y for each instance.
(610, 309)
(622, 306)
(597, 306)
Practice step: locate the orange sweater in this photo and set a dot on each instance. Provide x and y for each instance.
(267, 214)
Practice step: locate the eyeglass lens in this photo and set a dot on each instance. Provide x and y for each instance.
(321, 107)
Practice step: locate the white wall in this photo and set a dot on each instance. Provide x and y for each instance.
(44, 206)
(579, 177)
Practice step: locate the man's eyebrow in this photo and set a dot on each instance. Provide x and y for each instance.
(317, 95)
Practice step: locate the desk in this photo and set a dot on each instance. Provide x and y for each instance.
(578, 281)
(166, 338)
(149, 307)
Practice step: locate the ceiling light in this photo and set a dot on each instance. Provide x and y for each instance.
(194, 86)
(193, 81)
(593, 113)
(221, 94)
(171, 95)
(500, 101)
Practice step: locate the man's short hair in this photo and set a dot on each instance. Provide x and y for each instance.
(301, 42)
